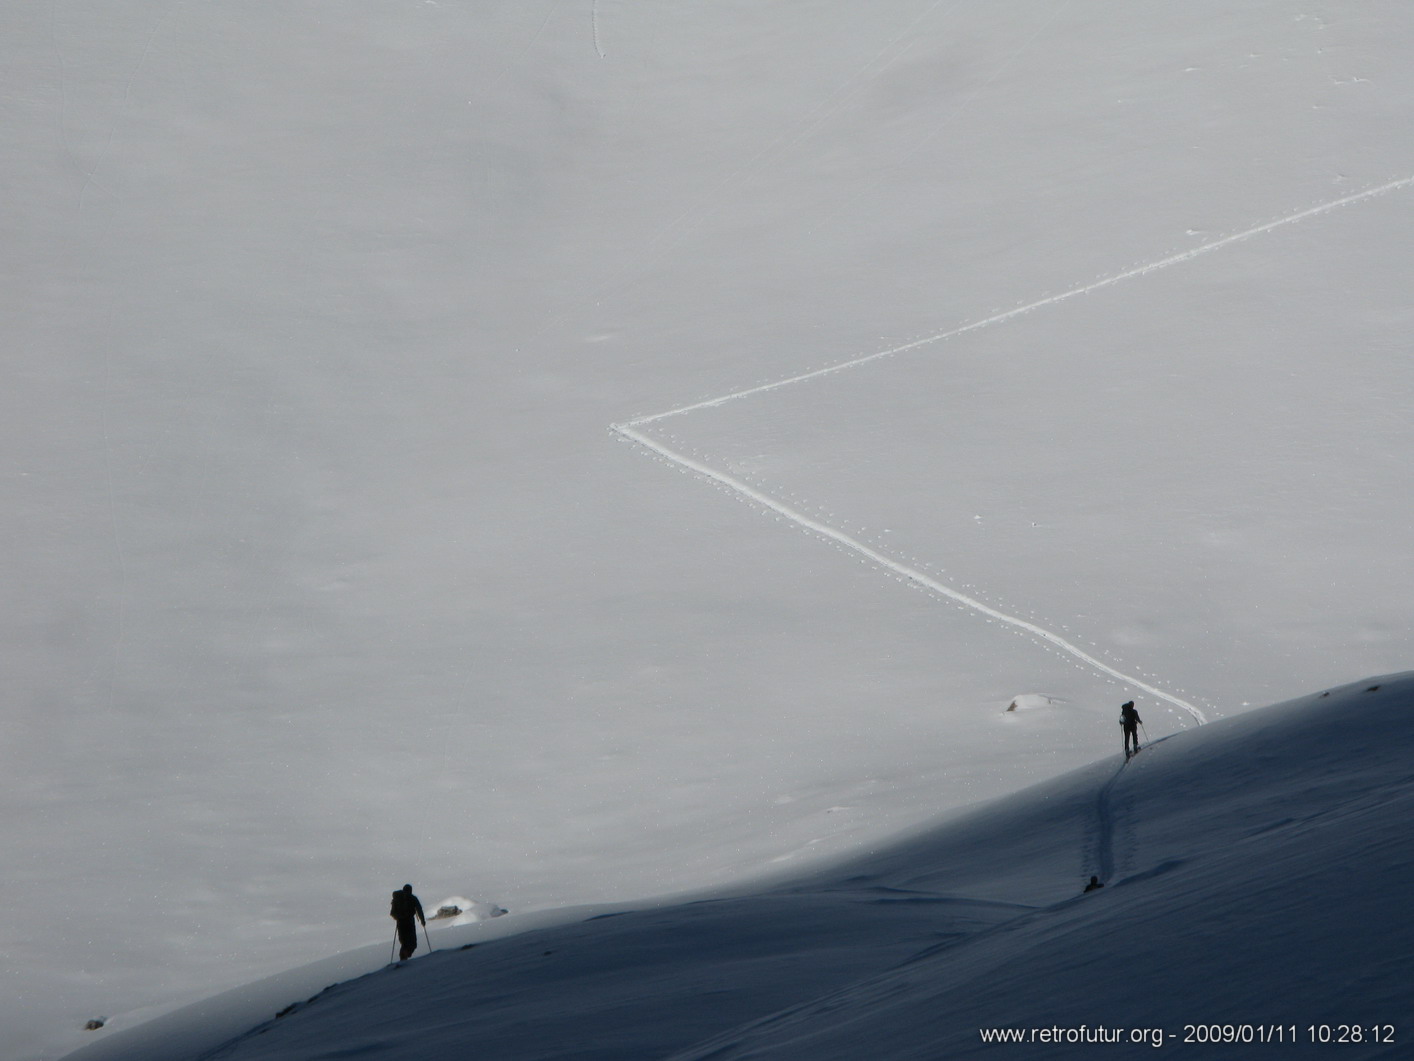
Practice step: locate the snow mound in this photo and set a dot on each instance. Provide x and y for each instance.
(457, 910)
(1252, 867)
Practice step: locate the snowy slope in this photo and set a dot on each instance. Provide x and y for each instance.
(1254, 872)
(324, 568)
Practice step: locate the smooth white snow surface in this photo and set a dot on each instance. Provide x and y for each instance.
(326, 569)
(1253, 875)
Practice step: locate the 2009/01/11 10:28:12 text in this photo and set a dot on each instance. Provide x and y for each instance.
(1380, 1034)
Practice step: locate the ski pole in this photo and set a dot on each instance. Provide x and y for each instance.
(427, 936)
(1146, 733)
(392, 954)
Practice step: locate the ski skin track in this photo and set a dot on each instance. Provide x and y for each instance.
(1000, 318)
(1104, 814)
(923, 580)
(629, 430)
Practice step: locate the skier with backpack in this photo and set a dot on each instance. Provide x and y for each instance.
(1129, 722)
(407, 912)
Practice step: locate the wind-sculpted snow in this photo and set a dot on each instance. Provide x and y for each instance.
(1266, 858)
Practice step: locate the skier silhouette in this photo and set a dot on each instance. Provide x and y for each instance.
(1094, 884)
(1129, 722)
(407, 912)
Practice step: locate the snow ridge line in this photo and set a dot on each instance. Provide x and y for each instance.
(1000, 318)
(629, 431)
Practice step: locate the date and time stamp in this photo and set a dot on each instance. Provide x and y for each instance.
(1201, 1034)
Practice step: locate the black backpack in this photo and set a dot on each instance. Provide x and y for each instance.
(402, 907)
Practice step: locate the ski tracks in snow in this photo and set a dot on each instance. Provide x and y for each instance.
(1101, 856)
(594, 25)
(908, 574)
(1105, 823)
(633, 431)
(1029, 307)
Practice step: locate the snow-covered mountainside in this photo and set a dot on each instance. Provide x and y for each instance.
(579, 452)
(1254, 873)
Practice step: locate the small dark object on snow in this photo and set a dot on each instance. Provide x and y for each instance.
(1094, 884)
(407, 912)
(1373, 689)
(450, 910)
(95, 1024)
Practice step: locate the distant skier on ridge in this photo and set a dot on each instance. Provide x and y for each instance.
(407, 912)
(1129, 722)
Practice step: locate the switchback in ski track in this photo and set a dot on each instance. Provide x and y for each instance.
(633, 431)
